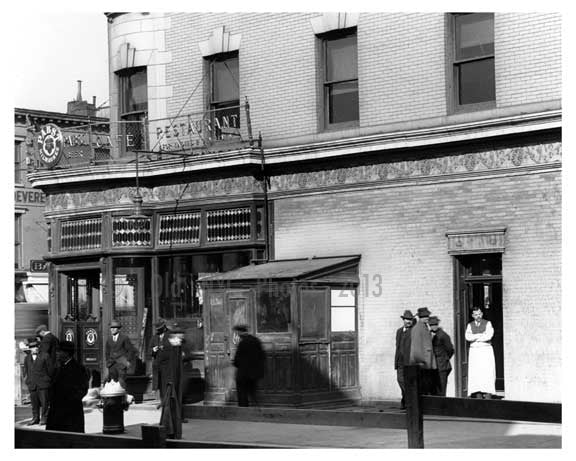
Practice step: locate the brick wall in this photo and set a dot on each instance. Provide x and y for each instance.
(400, 233)
(528, 57)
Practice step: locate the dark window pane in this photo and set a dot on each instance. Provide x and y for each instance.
(225, 80)
(274, 309)
(476, 82)
(135, 92)
(474, 35)
(313, 314)
(341, 59)
(343, 102)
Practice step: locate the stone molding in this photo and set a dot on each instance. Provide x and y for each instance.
(334, 21)
(466, 163)
(220, 42)
(476, 241)
(71, 201)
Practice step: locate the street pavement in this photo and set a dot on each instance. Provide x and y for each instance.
(438, 432)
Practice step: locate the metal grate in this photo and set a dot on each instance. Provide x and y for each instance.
(229, 224)
(131, 232)
(81, 234)
(179, 229)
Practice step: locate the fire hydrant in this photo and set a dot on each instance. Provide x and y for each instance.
(114, 403)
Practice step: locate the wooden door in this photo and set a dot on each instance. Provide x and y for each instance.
(314, 340)
(225, 309)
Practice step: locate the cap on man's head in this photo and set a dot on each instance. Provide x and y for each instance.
(67, 346)
(241, 328)
(32, 342)
(175, 328)
(407, 315)
(433, 320)
(161, 324)
(115, 324)
(40, 328)
(423, 312)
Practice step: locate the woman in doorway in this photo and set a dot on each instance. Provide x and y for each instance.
(481, 365)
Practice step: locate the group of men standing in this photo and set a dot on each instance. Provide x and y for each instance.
(56, 382)
(421, 341)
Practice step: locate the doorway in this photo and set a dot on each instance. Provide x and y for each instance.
(80, 308)
(478, 284)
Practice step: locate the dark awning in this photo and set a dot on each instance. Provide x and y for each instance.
(337, 268)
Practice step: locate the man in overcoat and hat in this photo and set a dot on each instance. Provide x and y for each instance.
(48, 343)
(250, 362)
(402, 355)
(66, 411)
(38, 375)
(422, 352)
(120, 353)
(161, 355)
(443, 350)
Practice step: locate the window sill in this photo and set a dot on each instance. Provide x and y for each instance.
(473, 107)
(341, 126)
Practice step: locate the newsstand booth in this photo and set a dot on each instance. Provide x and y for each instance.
(305, 313)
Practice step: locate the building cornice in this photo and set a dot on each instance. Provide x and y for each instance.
(305, 152)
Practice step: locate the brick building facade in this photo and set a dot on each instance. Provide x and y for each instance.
(379, 140)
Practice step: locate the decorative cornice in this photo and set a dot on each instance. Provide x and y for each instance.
(502, 160)
(160, 195)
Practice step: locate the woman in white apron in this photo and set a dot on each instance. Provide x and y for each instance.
(481, 365)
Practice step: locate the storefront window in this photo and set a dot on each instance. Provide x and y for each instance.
(343, 310)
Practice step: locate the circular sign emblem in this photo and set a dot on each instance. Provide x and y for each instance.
(91, 336)
(49, 143)
(69, 335)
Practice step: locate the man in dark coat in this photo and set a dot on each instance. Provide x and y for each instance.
(402, 356)
(422, 353)
(48, 343)
(38, 375)
(120, 353)
(161, 355)
(250, 362)
(443, 350)
(66, 412)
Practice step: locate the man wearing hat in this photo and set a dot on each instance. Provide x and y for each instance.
(402, 356)
(66, 412)
(443, 350)
(38, 375)
(48, 343)
(422, 353)
(161, 358)
(250, 361)
(120, 353)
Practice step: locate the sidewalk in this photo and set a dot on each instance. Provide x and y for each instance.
(438, 432)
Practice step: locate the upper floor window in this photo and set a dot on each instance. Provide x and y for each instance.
(224, 93)
(473, 60)
(18, 168)
(340, 82)
(17, 240)
(133, 107)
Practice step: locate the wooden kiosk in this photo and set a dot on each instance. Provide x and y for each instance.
(304, 312)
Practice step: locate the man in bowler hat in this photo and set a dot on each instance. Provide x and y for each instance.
(38, 375)
(66, 411)
(402, 355)
(161, 355)
(422, 353)
(250, 361)
(443, 350)
(120, 353)
(48, 343)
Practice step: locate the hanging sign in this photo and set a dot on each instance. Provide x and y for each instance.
(49, 144)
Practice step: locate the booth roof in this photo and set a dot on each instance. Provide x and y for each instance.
(284, 269)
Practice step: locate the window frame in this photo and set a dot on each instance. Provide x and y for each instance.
(125, 115)
(212, 105)
(18, 170)
(18, 236)
(453, 68)
(325, 84)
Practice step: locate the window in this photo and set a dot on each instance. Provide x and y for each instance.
(18, 171)
(133, 108)
(474, 83)
(343, 310)
(273, 308)
(340, 82)
(224, 94)
(17, 240)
